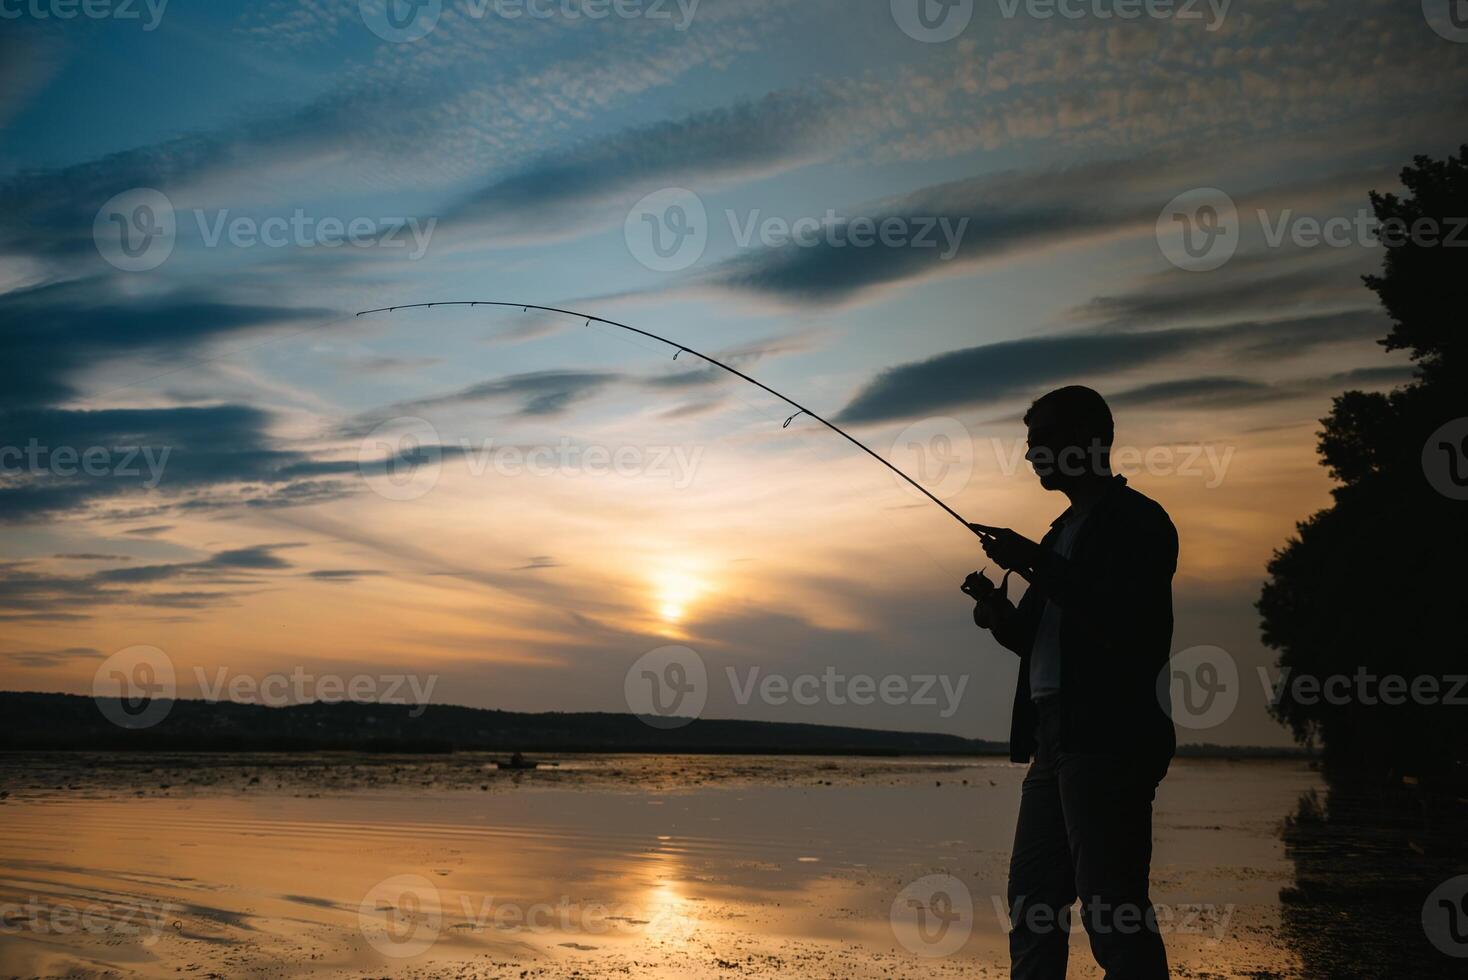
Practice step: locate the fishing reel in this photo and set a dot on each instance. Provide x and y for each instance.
(978, 587)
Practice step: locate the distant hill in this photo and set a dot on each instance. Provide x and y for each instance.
(69, 721)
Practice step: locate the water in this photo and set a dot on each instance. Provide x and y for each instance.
(601, 866)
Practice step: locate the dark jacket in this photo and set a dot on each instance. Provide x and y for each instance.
(1115, 598)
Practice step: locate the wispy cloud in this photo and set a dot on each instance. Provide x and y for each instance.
(343, 575)
(48, 334)
(593, 183)
(52, 658)
(27, 591)
(1207, 393)
(533, 394)
(993, 374)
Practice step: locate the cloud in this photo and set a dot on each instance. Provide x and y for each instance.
(150, 462)
(944, 228)
(539, 394)
(28, 60)
(253, 559)
(1296, 76)
(1396, 375)
(57, 460)
(472, 99)
(51, 658)
(992, 374)
(48, 214)
(693, 409)
(342, 574)
(389, 364)
(149, 532)
(536, 393)
(567, 191)
(1205, 393)
(1262, 283)
(50, 333)
(29, 593)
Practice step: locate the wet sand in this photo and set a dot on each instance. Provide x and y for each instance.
(599, 867)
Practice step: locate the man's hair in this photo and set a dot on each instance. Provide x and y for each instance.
(1081, 410)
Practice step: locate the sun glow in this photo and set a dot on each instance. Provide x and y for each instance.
(674, 592)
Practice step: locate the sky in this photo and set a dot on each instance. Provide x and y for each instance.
(913, 220)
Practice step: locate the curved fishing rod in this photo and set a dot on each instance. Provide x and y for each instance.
(682, 349)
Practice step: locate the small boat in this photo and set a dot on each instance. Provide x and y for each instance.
(517, 762)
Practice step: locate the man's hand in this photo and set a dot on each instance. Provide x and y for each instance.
(991, 602)
(1008, 549)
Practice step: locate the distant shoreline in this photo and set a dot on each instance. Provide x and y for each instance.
(72, 723)
(1223, 752)
(68, 721)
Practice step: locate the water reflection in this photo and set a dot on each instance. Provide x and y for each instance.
(796, 870)
(1366, 861)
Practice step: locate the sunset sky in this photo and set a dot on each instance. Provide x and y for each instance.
(665, 504)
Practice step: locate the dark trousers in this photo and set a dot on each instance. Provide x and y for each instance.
(1085, 831)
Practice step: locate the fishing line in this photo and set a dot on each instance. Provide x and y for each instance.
(680, 349)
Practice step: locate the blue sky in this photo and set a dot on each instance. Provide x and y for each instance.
(523, 151)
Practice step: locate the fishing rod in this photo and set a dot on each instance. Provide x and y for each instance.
(684, 349)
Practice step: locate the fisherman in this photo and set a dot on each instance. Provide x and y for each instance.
(1093, 633)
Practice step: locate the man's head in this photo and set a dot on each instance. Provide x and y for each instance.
(1070, 435)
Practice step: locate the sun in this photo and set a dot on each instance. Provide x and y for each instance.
(674, 592)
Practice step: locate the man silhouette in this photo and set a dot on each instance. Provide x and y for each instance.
(1093, 633)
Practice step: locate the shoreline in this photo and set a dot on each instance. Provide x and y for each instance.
(177, 774)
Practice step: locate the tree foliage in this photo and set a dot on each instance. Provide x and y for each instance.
(1373, 586)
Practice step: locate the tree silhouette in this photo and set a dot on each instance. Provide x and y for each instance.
(1373, 586)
